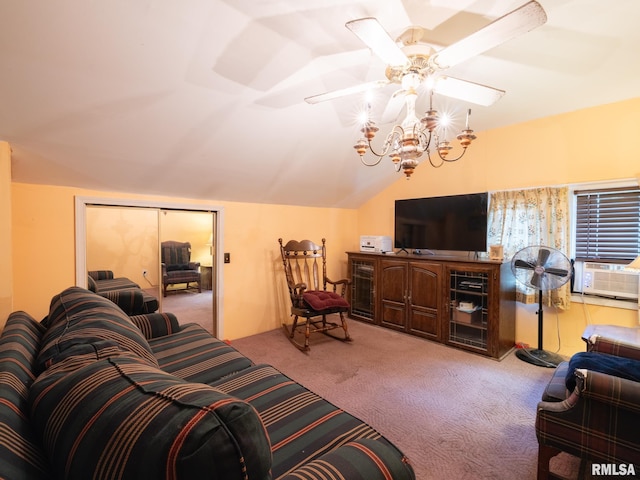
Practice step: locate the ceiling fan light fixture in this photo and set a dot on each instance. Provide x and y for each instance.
(412, 138)
(415, 65)
(430, 120)
(369, 130)
(361, 147)
(443, 148)
(466, 137)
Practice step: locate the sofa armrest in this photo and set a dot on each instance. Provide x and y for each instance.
(598, 343)
(364, 458)
(130, 301)
(597, 421)
(101, 274)
(154, 325)
(614, 340)
(600, 387)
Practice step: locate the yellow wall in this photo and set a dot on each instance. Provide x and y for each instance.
(125, 241)
(588, 145)
(6, 280)
(253, 290)
(254, 287)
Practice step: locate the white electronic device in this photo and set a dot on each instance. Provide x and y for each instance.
(375, 243)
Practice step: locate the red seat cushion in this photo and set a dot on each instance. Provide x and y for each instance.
(322, 300)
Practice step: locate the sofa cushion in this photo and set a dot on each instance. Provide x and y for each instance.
(120, 417)
(322, 300)
(153, 325)
(80, 317)
(177, 266)
(20, 449)
(101, 274)
(91, 284)
(302, 426)
(195, 355)
(556, 390)
(363, 459)
(604, 363)
(115, 284)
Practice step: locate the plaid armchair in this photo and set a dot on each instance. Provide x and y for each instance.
(177, 266)
(597, 421)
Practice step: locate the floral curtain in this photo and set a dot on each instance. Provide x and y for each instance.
(522, 218)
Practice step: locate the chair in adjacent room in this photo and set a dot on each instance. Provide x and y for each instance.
(177, 266)
(596, 420)
(305, 266)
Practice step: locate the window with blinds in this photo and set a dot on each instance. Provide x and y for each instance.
(608, 225)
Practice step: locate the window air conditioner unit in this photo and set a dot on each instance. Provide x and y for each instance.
(609, 280)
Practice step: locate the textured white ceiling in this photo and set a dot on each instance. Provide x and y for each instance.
(204, 99)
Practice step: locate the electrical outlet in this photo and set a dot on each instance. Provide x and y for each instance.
(144, 273)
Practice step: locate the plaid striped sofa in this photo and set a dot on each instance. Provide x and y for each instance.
(90, 392)
(597, 421)
(120, 290)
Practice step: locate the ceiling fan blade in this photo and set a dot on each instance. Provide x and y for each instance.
(543, 256)
(363, 87)
(521, 20)
(378, 40)
(556, 271)
(467, 91)
(524, 264)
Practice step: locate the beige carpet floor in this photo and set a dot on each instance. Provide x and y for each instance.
(457, 415)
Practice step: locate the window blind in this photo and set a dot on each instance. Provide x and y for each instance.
(608, 224)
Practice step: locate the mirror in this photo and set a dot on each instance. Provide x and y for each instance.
(191, 301)
(125, 241)
(125, 237)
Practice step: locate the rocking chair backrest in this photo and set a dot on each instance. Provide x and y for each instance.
(304, 262)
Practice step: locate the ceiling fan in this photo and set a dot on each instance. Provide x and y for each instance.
(411, 62)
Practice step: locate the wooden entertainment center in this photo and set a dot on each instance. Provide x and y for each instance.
(469, 304)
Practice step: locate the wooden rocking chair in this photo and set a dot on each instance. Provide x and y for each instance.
(310, 298)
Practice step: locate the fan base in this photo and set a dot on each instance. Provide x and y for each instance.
(540, 358)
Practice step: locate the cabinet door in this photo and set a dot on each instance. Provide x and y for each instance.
(362, 290)
(393, 293)
(469, 315)
(424, 299)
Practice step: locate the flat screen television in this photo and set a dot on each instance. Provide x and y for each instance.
(455, 222)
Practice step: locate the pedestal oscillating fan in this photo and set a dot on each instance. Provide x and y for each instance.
(544, 269)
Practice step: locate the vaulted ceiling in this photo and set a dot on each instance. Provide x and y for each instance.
(205, 98)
